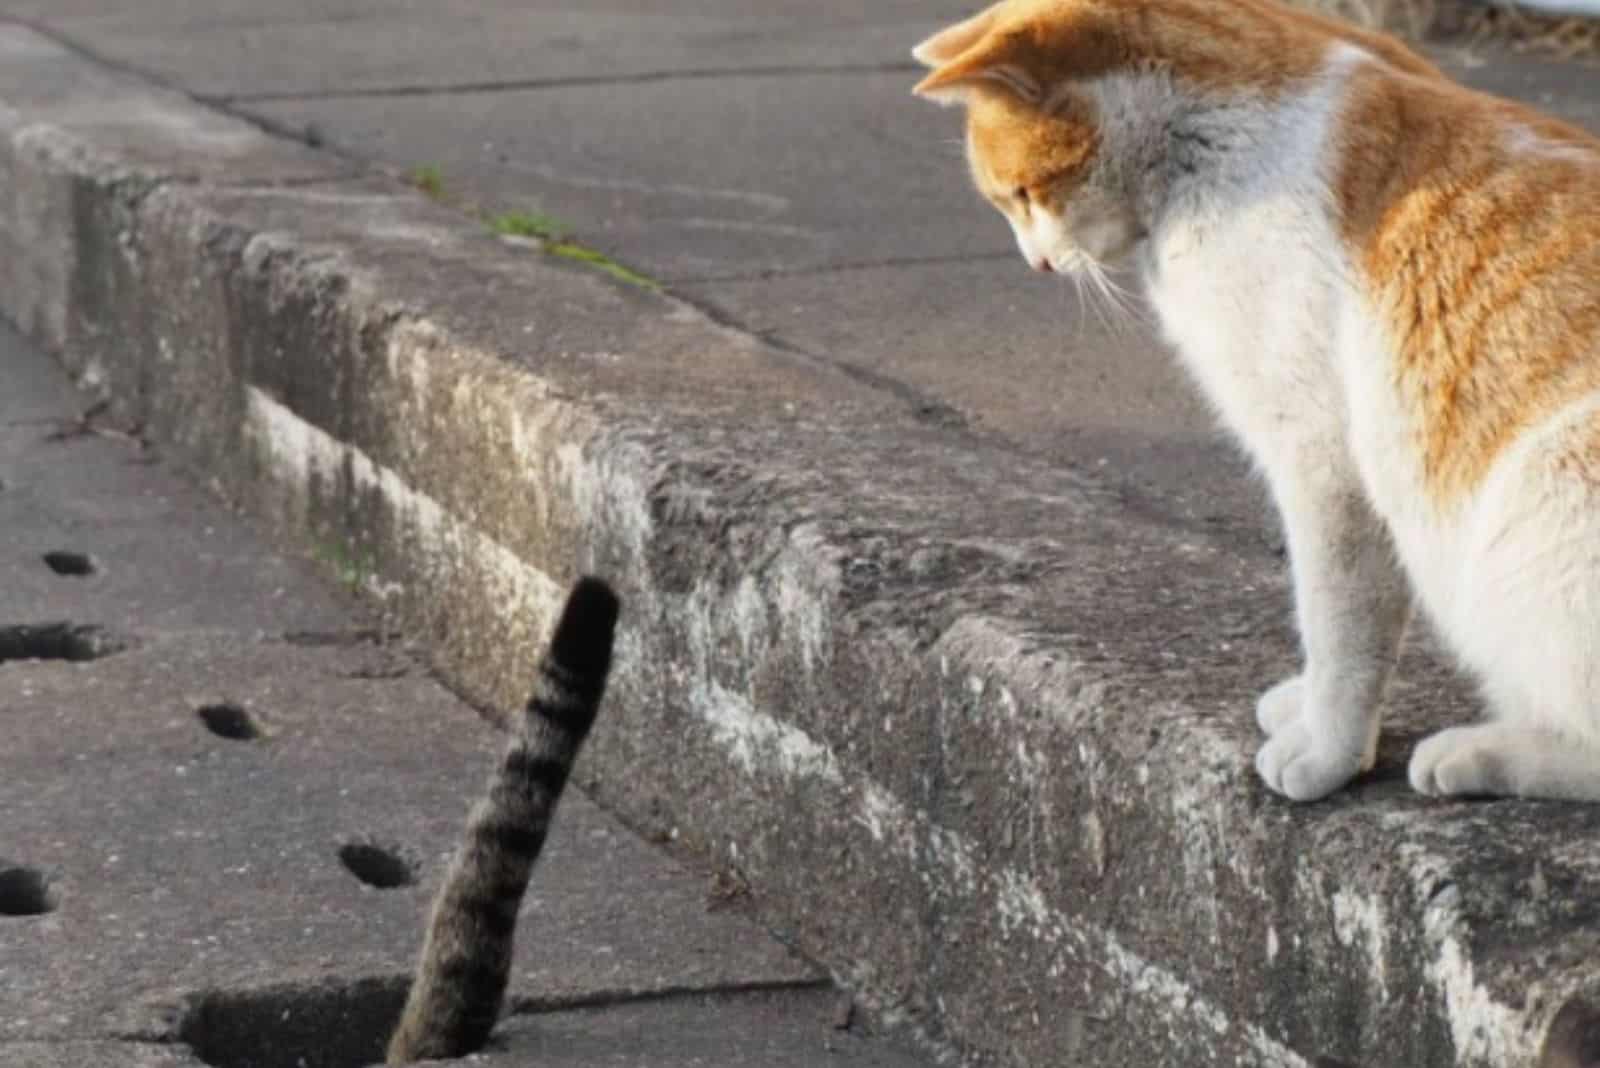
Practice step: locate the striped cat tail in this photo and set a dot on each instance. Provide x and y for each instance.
(466, 955)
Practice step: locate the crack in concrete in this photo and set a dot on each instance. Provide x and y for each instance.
(822, 270)
(309, 136)
(268, 126)
(925, 407)
(308, 181)
(53, 1038)
(226, 102)
(517, 85)
(180, 1016)
(529, 1004)
(341, 639)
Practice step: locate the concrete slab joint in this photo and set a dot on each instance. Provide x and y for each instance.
(973, 734)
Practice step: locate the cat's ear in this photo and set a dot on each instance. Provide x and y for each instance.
(949, 43)
(994, 58)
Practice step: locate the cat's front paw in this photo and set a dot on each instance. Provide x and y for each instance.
(1281, 704)
(1291, 763)
(1462, 762)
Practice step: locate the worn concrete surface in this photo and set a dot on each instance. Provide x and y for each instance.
(236, 48)
(189, 861)
(151, 539)
(820, 205)
(97, 1055)
(185, 886)
(797, 1031)
(967, 705)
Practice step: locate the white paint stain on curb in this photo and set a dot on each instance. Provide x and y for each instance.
(300, 453)
(756, 742)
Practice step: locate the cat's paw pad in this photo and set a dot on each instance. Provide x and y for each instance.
(1460, 762)
(1292, 764)
(1281, 704)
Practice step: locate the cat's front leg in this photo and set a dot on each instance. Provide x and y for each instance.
(1352, 602)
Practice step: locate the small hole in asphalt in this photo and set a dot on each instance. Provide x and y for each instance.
(229, 721)
(74, 565)
(376, 866)
(314, 1025)
(56, 641)
(25, 892)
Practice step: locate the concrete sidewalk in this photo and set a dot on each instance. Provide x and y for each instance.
(766, 162)
(224, 830)
(949, 606)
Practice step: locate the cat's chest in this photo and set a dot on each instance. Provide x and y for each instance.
(1248, 305)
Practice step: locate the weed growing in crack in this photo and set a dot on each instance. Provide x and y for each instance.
(531, 224)
(555, 239)
(428, 177)
(550, 235)
(571, 250)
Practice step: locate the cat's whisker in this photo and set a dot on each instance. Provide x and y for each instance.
(1111, 280)
(1133, 298)
(1097, 299)
(1092, 305)
(1097, 287)
(1115, 312)
(1077, 291)
(1128, 304)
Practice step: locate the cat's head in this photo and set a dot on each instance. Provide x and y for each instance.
(1034, 139)
(1037, 78)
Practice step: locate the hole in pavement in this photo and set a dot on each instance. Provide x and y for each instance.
(56, 641)
(376, 865)
(75, 565)
(229, 721)
(324, 1025)
(1573, 1040)
(25, 892)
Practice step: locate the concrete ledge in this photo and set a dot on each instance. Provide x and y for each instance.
(978, 738)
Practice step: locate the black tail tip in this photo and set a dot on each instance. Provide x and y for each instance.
(584, 633)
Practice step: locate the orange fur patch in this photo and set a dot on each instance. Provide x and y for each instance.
(1016, 45)
(1261, 45)
(1014, 148)
(1483, 256)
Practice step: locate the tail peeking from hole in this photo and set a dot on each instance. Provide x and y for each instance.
(466, 955)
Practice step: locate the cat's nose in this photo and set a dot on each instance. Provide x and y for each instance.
(1042, 264)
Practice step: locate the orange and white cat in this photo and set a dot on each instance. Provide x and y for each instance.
(1389, 287)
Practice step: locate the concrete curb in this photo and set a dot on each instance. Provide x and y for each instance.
(977, 738)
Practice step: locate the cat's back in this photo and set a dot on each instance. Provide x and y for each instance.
(1415, 154)
(1473, 224)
